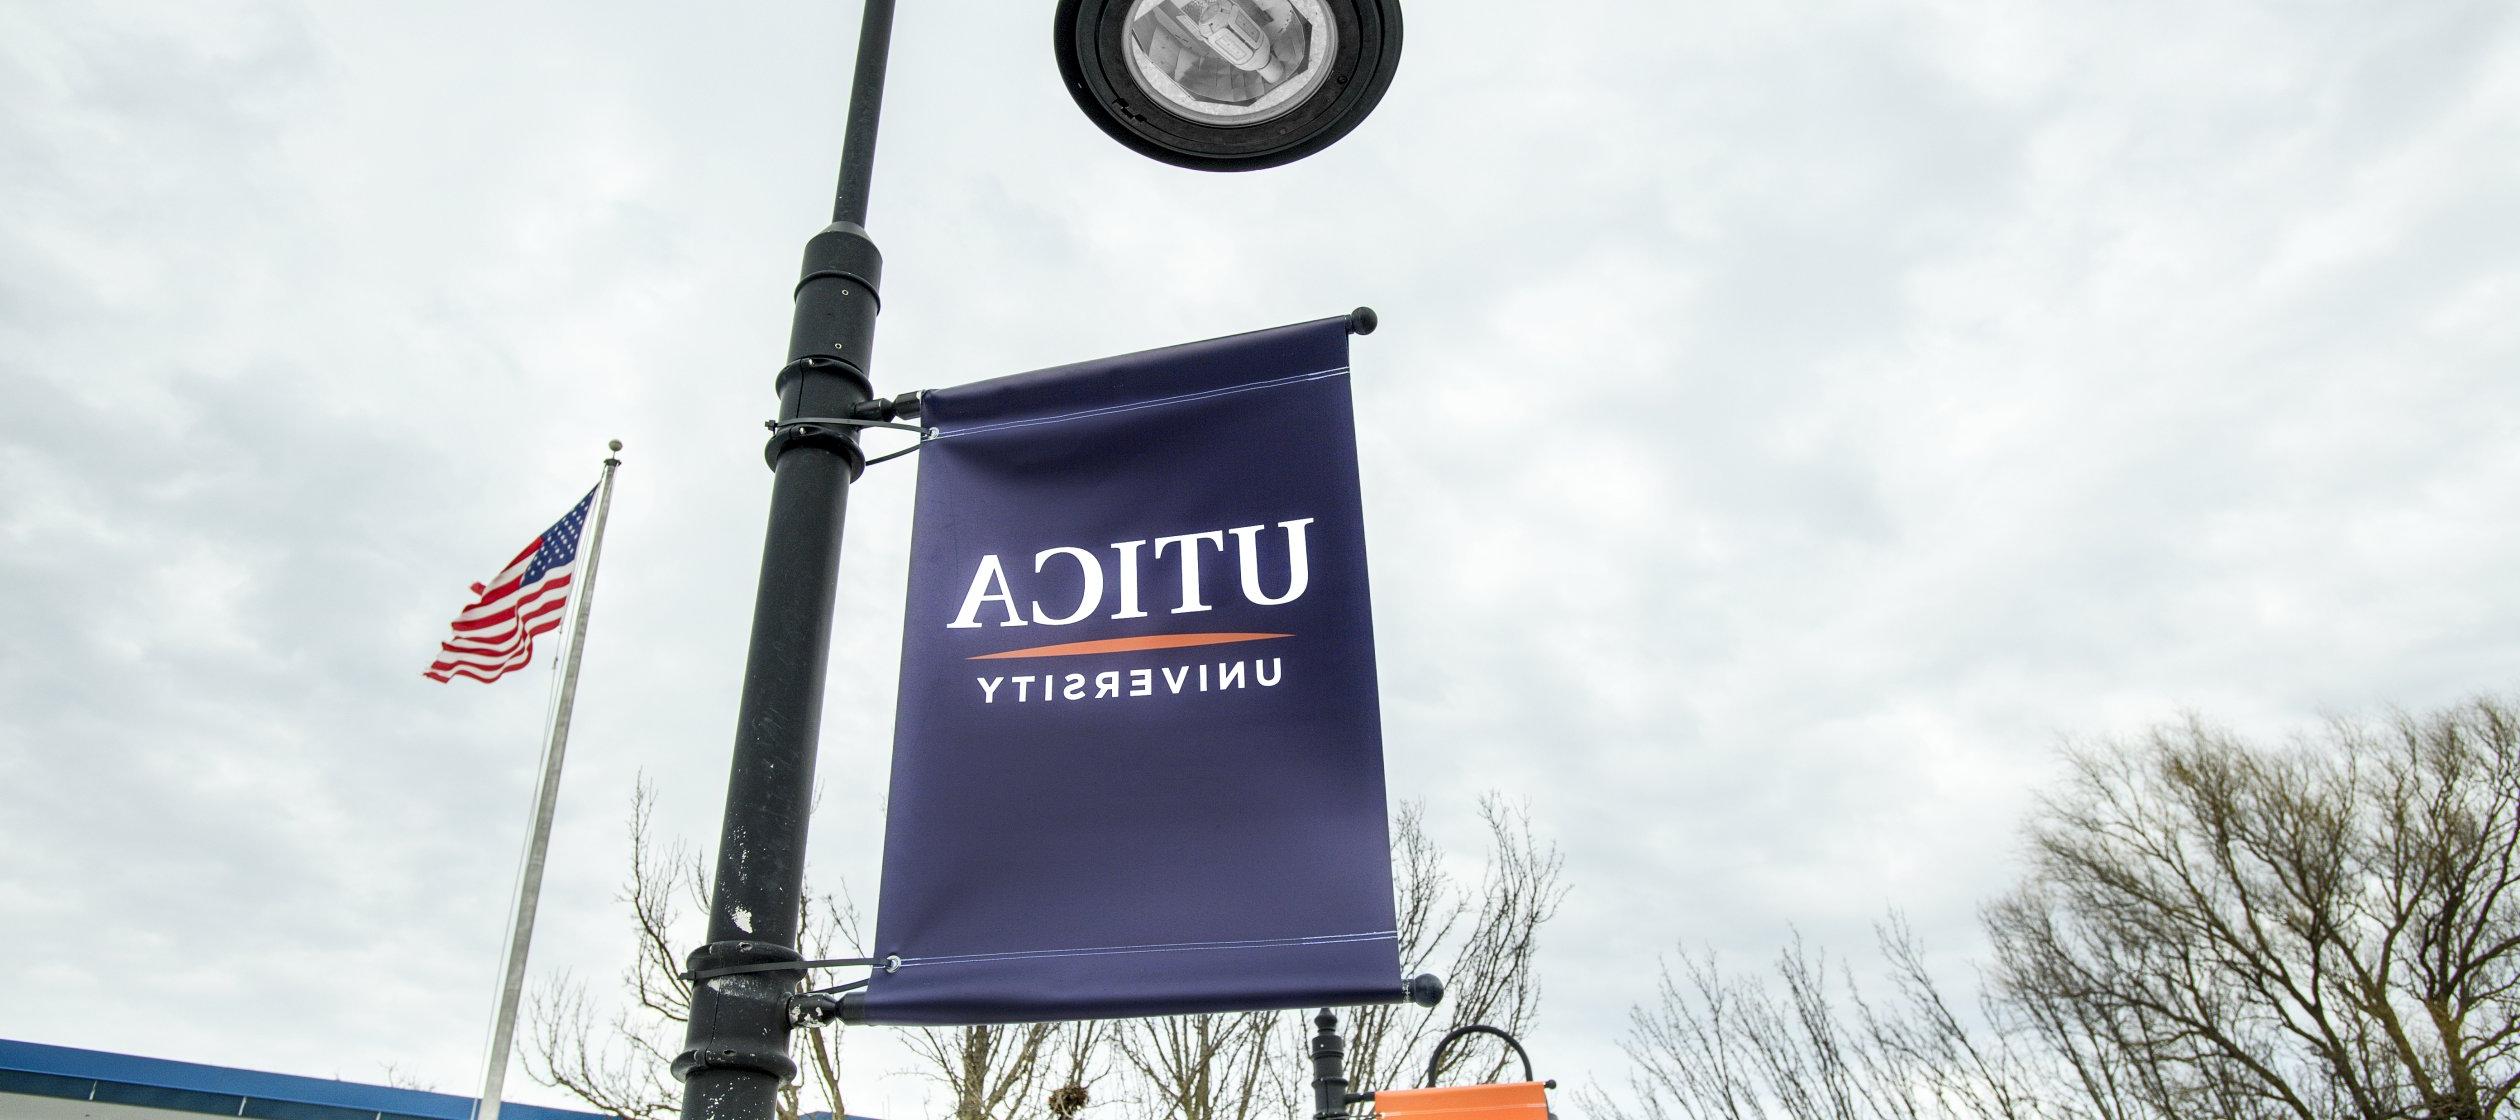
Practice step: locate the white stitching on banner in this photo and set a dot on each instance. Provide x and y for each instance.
(1175, 947)
(1118, 408)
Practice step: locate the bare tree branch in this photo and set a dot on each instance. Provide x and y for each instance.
(1485, 946)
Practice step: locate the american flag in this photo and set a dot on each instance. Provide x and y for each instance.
(495, 635)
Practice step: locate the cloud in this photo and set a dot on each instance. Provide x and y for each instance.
(1787, 425)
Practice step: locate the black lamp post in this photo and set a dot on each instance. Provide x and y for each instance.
(1234, 84)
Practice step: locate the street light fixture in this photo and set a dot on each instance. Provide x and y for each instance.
(1239, 85)
(1227, 85)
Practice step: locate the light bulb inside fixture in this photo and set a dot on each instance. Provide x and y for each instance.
(1229, 62)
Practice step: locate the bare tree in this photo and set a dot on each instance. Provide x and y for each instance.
(1483, 941)
(2330, 931)
(1207, 1067)
(394, 1074)
(619, 1061)
(992, 1072)
(1806, 1043)
(2206, 928)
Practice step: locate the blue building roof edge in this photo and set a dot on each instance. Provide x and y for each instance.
(131, 1069)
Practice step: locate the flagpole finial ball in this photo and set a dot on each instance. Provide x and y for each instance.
(615, 445)
(1363, 321)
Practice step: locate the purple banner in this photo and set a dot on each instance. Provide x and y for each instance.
(1137, 764)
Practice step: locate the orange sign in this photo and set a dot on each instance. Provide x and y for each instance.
(1512, 1100)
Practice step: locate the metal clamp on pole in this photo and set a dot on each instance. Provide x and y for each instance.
(726, 1033)
(814, 376)
(789, 966)
(807, 427)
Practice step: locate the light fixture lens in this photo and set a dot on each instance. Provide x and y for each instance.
(1227, 85)
(1230, 62)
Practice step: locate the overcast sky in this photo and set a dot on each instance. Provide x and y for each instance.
(1790, 423)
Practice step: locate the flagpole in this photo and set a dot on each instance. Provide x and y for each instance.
(546, 798)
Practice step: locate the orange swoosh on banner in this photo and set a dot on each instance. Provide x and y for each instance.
(1124, 645)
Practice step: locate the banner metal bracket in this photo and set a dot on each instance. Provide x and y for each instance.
(804, 424)
(822, 1005)
(838, 422)
(905, 406)
(888, 964)
(817, 1007)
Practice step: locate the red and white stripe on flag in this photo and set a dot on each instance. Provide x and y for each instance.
(494, 636)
